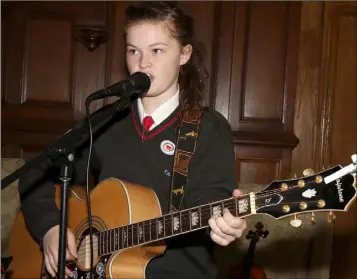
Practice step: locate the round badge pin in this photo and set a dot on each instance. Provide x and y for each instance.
(167, 147)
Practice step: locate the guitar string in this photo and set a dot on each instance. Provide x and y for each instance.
(258, 197)
(205, 214)
(86, 252)
(204, 210)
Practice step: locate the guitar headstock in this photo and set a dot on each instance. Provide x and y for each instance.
(328, 190)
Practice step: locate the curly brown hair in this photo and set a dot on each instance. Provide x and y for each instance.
(193, 74)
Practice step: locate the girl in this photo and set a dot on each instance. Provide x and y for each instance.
(159, 39)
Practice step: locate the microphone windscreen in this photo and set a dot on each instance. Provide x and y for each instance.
(141, 82)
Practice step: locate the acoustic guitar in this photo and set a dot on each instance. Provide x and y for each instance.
(129, 228)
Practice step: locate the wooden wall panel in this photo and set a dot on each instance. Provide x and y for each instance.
(45, 65)
(261, 73)
(264, 68)
(256, 79)
(262, 164)
(255, 170)
(48, 71)
(116, 67)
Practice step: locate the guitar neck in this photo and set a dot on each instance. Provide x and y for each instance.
(172, 224)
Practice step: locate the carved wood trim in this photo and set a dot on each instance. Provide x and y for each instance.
(282, 140)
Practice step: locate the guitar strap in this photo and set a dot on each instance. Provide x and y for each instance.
(185, 147)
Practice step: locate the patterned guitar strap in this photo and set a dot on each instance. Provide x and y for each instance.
(185, 148)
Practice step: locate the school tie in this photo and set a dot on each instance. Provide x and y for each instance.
(147, 123)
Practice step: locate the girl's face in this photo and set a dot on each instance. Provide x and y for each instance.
(151, 49)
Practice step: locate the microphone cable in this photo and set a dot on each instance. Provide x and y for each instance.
(89, 211)
(138, 83)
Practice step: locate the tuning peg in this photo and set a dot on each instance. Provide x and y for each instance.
(354, 158)
(313, 220)
(295, 222)
(249, 235)
(308, 172)
(265, 233)
(331, 218)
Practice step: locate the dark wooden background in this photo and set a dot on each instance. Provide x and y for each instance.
(283, 73)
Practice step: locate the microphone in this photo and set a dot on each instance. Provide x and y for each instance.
(138, 83)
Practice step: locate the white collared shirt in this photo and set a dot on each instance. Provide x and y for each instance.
(161, 112)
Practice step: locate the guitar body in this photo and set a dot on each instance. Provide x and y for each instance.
(114, 203)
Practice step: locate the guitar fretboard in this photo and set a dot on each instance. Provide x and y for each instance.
(171, 224)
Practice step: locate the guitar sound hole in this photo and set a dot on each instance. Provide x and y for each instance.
(84, 251)
(80, 268)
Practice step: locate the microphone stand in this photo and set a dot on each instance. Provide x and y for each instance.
(63, 150)
(65, 177)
